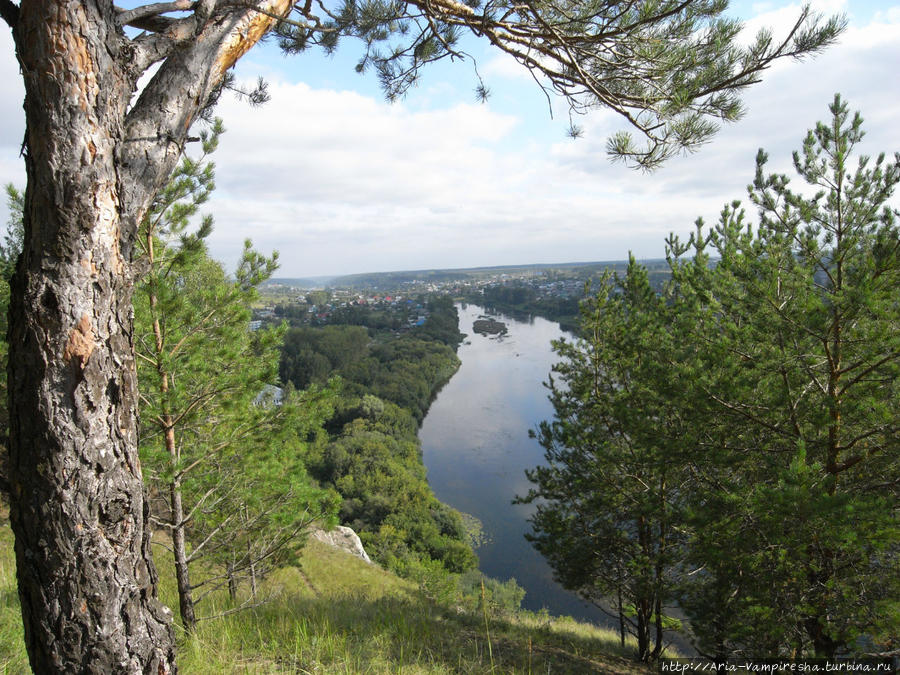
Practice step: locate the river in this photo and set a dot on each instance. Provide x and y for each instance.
(476, 448)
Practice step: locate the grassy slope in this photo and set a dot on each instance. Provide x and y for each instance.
(339, 615)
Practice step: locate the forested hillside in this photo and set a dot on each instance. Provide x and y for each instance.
(372, 458)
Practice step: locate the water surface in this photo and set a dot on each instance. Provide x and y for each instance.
(476, 449)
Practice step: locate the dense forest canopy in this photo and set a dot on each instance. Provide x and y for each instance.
(387, 380)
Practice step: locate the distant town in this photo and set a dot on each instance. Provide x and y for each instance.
(552, 291)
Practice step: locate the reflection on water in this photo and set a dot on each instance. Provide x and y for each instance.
(476, 448)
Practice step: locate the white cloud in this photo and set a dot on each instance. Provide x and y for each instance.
(379, 187)
(341, 182)
(504, 65)
(889, 15)
(361, 169)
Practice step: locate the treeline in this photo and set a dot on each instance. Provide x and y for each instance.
(730, 445)
(374, 319)
(405, 369)
(372, 456)
(556, 295)
(394, 279)
(379, 317)
(521, 298)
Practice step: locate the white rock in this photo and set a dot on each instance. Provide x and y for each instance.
(343, 538)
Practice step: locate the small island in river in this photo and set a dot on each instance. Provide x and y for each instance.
(487, 326)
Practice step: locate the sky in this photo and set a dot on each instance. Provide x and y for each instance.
(340, 181)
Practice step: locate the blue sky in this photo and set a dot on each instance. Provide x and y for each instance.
(340, 181)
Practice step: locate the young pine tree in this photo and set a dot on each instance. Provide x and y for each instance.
(607, 500)
(800, 351)
(224, 466)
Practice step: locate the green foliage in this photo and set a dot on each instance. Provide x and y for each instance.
(10, 249)
(373, 458)
(748, 416)
(11, 246)
(606, 500)
(442, 324)
(373, 320)
(312, 355)
(801, 358)
(406, 370)
(224, 465)
(502, 597)
(375, 464)
(677, 71)
(515, 298)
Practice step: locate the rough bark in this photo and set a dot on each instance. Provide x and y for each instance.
(78, 508)
(86, 575)
(232, 582)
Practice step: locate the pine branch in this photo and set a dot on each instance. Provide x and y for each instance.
(195, 552)
(316, 24)
(207, 46)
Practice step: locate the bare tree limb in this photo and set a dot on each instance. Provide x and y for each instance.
(134, 17)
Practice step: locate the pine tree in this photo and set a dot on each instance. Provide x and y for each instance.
(801, 353)
(750, 414)
(223, 464)
(606, 502)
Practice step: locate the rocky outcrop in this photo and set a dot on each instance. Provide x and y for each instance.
(343, 538)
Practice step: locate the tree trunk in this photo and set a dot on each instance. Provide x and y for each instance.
(232, 582)
(658, 569)
(252, 569)
(824, 647)
(621, 609)
(78, 509)
(643, 603)
(643, 632)
(658, 624)
(176, 507)
(182, 573)
(251, 561)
